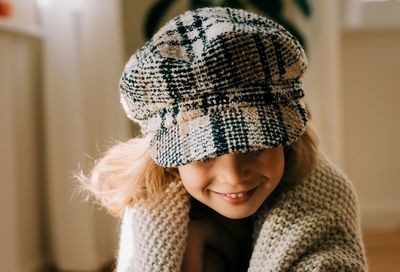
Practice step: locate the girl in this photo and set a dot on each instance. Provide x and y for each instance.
(227, 175)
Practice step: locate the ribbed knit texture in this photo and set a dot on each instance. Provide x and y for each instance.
(307, 226)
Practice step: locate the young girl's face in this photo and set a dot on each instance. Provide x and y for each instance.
(235, 185)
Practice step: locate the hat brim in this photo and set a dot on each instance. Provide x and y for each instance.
(228, 130)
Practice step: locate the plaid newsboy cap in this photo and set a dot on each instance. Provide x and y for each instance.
(214, 81)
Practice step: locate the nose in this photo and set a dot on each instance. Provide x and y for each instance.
(231, 169)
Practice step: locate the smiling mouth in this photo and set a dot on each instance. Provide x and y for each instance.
(238, 194)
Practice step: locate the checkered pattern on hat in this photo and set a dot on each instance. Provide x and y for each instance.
(214, 81)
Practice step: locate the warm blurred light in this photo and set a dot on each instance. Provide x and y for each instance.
(5, 9)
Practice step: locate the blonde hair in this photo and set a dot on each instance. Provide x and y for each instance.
(126, 173)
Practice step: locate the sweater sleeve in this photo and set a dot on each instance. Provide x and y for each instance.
(125, 253)
(312, 226)
(153, 234)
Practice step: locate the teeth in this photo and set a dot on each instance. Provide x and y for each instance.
(237, 195)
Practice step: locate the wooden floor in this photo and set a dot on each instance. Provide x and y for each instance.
(383, 250)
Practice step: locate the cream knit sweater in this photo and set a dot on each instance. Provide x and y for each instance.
(308, 226)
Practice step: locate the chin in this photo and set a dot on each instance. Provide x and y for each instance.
(236, 214)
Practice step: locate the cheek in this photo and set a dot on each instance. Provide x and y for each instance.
(278, 167)
(193, 178)
(273, 164)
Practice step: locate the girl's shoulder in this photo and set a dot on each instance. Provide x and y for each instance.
(153, 229)
(318, 217)
(329, 180)
(326, 189)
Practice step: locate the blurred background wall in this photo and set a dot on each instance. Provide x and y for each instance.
(60, 63)
(371, 81)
